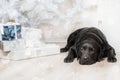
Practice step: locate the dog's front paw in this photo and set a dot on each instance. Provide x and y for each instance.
(112, 59)
(68, 59)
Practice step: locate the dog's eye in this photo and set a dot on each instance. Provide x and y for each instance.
(81, 48)
(91, 49)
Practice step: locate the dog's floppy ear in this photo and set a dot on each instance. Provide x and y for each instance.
(100, 55)
(78, 53)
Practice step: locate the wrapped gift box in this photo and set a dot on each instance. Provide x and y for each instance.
(9, 33)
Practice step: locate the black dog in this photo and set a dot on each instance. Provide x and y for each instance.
(88, 45)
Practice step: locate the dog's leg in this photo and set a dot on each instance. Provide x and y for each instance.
(111, 55)
(71, 56)
(66, 48)
(70, 42)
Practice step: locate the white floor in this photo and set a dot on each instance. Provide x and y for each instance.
(53, 68)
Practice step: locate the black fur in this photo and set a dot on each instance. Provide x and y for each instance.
(88, 45)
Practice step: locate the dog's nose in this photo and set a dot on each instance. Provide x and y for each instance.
(85, 58)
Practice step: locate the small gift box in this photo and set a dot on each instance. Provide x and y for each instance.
(9, 33)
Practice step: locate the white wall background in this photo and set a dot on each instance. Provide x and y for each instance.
(59, 17)
(109, 18)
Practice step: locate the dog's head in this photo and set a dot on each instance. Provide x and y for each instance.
(88, 52)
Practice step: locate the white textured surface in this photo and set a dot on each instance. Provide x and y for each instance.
(53, 68)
